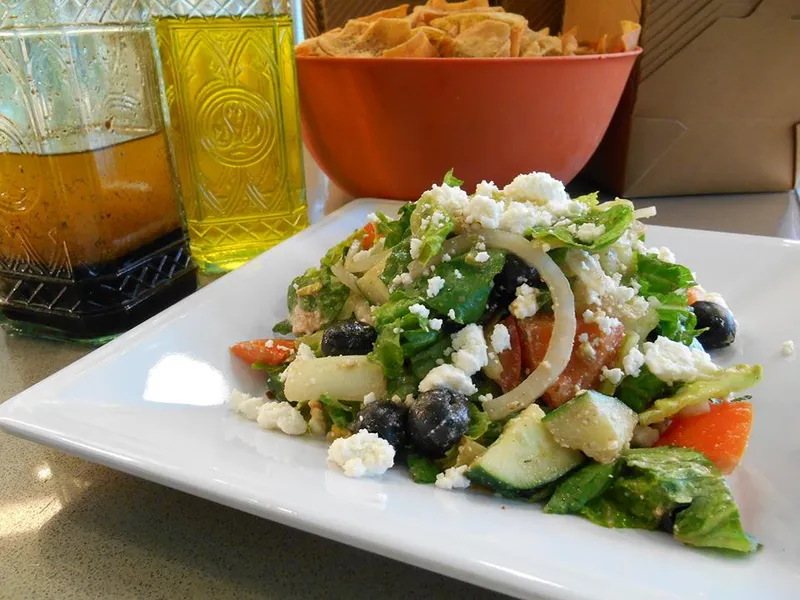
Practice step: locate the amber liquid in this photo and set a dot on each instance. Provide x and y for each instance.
(62, 210)
(90, 242)
(232, 95)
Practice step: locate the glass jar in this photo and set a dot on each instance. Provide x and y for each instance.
(230, 81)
(91, 238)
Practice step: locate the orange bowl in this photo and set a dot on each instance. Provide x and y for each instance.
(390, 127)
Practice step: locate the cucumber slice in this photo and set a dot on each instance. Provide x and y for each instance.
(524, 457)
(598, 425)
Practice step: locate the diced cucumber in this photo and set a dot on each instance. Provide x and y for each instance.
(524, 457)
(598, 425)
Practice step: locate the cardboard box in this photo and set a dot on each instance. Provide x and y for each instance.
(713, 106)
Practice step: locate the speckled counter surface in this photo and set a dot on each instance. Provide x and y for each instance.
(71, 529)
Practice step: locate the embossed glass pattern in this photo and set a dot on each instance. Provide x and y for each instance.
(91, 241)
(230, 81)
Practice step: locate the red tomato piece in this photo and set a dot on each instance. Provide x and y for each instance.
(370, 233)
(583, 370)
(268, 351)
(511, 359)
(720, 434)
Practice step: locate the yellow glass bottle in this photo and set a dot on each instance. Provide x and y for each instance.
(232, 95)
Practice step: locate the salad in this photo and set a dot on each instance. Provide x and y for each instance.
(524, 342)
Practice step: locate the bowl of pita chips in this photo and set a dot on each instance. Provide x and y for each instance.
(392, 100)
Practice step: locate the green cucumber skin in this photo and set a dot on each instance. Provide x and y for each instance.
(479, 476)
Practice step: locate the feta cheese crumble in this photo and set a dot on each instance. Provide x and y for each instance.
(282, 416)
(672, 361)
(451, 314)
(607, 324)
(589, 232)
(369, 398)
(470, 352)
(500, 339)
(458, 274)
(453, 478)
(419, 310)
(663, 253)
(481, 257)
(787, 348)
(304, 352)
(363, 454)
(524, 305)
(402, 279)
(245, 404)
(485, 211)
(447, 377)
(633, 362)
(612, 375)
(435, 324)
(435, 285)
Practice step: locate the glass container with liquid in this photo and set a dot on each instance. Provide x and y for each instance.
(230, 81)
(91, 237)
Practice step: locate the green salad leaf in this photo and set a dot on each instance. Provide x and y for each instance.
(283, 327)
(668, 284)
(397, 262)
(273, 383)
(336, 254)
(478, 422)
(400, 339)
(422, 469)
(719, 385)
(451, 180)
(318, 290)
(341, 414)
(641, 391)
(467, 284)
(395, 230)
(424, 361)
(402, 385)
(431, 226)
(646, 486)
(615, 221)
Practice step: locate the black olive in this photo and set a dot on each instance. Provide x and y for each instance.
(719, 323)
(515, 272)
(436, 421)
(668, 520)
(386, 419)
(348, 338)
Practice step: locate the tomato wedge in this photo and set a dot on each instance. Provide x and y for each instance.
(267, 351)
(582, 371)
(720, 434)
(370, 233)
(511, 359)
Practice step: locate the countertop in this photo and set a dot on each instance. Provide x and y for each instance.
(71, 529)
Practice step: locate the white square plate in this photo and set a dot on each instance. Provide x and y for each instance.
(151, 404)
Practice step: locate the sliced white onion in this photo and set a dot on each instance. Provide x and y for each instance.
(560, 349)
(345, 277)
(356, 262)
(645, 213)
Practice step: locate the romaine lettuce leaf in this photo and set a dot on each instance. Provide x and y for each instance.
(395, 230)
(397, 262)
(431, 226)
(451, 180)
(274, 383)
(719, 385)
(422, 469)
(341, 414)
(478, 422)
(466, 286)
(401, 339)
(641, 391)
(615, 221)
(318, 289)
(423, 362)
(646, 486)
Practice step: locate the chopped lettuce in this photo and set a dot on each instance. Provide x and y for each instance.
(283, 327)
(668, 284)
(402, 386)
(466, 288)
(422, 469)
(648, 487)
(274, 383)
(424, 361)
(451, 180)
(478, 422)
(431, 226)
(336, 254)
(397, 262)
(395, 230)
(341, 414)
(614, 222)
(641, 391)
(318, 290)
(401, 339)
(719, 385)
